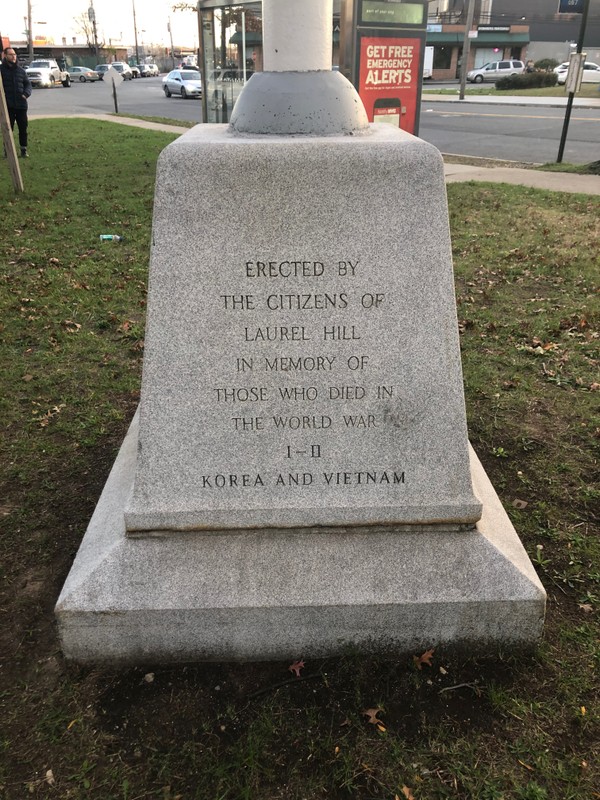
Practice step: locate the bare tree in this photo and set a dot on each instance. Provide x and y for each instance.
(85, 26)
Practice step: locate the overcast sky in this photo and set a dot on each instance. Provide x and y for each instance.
(114, 21)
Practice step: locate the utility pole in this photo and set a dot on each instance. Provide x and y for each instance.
(92, 19)
(29, 32)
(171, 37)
(137, 51)
(563, 138)
(466, 49)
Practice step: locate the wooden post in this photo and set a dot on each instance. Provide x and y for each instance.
(9, 144)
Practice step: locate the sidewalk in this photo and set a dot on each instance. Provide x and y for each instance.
(553, 181)
(512, 100)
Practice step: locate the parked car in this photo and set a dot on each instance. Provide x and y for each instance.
(495, 70)
(224, 87)
(562, 67)
(101, 69)
(144, 70)
(184, 82)
(152, 70)
(46, 72)
(229, 74)
(83, 74)
(135, 71)
(591, 73)
(122, 68)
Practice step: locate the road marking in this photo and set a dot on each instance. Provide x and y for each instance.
(519, 116)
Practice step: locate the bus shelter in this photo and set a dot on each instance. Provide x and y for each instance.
(230, 36)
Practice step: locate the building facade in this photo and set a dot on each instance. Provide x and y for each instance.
(507, 29)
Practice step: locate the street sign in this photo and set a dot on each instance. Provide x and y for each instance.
(112, 76)
(575, 73)
(571, 6)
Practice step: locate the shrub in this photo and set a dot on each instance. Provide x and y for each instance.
(528, 80)
(546, 64)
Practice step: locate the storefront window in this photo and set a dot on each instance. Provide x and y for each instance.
(442, 57)
(485, 55)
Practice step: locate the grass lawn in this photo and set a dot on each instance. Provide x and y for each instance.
(466, 725)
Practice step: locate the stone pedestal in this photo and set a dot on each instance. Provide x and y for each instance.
(301, 477)
(302, 363)
(266, 594)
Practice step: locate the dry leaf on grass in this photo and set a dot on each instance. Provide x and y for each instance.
(425, 658)
(70, 326)
(523, 764)
(371, 713)
(296, 667)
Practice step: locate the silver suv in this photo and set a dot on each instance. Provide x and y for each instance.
(495, 70)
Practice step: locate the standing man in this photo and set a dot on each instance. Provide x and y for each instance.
(17, 88)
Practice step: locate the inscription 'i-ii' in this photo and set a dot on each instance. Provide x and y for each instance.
(313, 452)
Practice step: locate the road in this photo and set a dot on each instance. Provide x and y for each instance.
(515, 132)
(141, 97)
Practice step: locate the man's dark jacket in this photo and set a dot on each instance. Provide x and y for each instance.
(16, 84)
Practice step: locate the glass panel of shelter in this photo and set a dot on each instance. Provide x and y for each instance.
(229, 54)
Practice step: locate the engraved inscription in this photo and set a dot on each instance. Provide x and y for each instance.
(297, 321)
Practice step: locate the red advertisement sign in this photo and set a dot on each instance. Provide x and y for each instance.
(389, 79)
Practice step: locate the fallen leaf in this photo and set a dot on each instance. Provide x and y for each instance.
(296, 667)
(27, 378)
(50, 778)
(149, 677)
(519, 503)
(71, 327)
(424, 659)
(54, 261)
(583, 711)
(594, 387)
(407, 793)
(587, 608)
(345, 722)
(371, 713)
(523, 764)
(443, 671)
(70, 725)
(337, 750)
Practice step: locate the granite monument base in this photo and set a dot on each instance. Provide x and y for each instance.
(268, 594)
